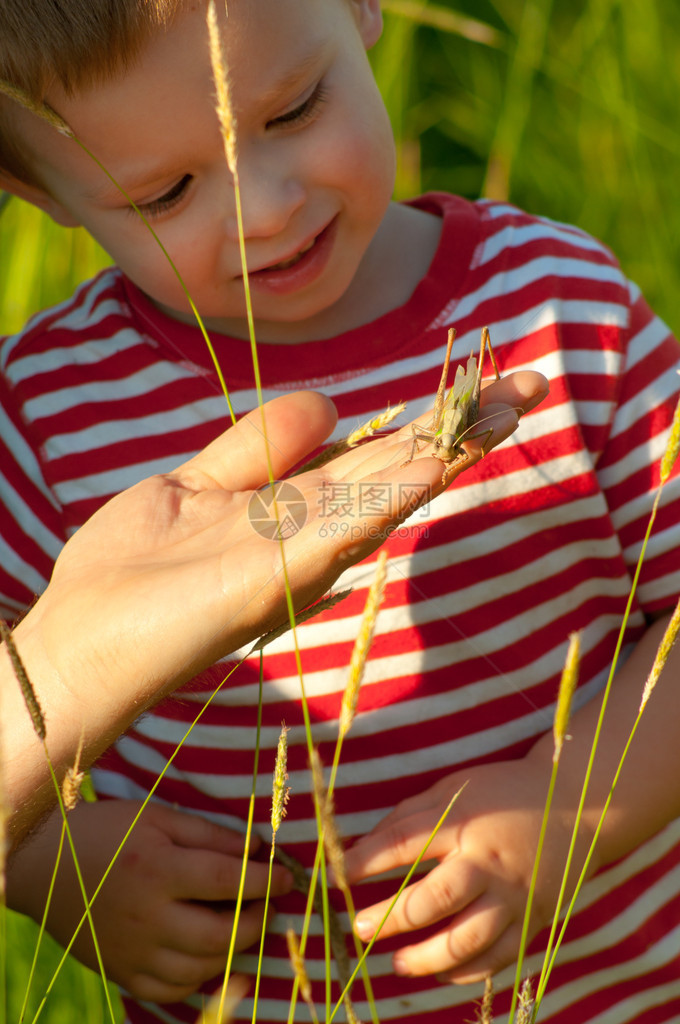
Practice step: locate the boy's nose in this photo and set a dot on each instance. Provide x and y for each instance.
(269, 198)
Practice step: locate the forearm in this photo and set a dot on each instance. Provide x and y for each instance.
(647, 795)
(59, 717)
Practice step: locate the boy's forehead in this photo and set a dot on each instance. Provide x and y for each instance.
(166, 96)
(269, 45)
(251, 31)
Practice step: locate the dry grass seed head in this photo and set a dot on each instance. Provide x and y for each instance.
(525, 1005)
(485, 1008)
(34, 709)
(371, 427)
(300, 971)
(221, 1011)
(331, 835)
(672, 447)
(567, 687)
(73, 781)
(223, 106)
(664, 649)
(280, 791)
(366, 430)
(300, 617)
(362, 645)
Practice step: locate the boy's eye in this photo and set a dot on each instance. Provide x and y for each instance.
(167, 201)
(303, 112)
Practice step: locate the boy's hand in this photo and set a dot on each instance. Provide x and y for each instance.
(164, 916)
(479, 888)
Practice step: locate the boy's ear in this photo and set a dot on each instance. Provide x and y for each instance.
(369, 20)
(37, 197)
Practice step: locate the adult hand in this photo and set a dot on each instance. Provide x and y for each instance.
(171, 575)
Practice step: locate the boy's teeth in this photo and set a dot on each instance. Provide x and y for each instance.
(284, 264)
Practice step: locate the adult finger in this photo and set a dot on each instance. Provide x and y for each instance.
(293, 426)
(522, 390)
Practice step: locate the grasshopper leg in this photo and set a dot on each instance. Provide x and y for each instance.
(423, 433)
(441, 390)
(419, 434)
(463, 456)
(486, 344)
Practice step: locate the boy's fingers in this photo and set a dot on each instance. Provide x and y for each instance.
(205, 931)
(393, 844)
(462, 941)
(160, 986)
(294, 425)
(444, 891)
(192, 831)
(206, 875)
(499, 954)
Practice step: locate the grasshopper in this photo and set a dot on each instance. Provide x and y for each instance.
(455, 414)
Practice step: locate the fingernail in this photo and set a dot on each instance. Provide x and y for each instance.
(400, 966)
(363, 928)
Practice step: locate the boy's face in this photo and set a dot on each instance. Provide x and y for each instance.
(315, 159)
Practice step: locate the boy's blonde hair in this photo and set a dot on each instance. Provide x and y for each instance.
(73, 42)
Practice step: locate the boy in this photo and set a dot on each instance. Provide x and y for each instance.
(535, 543)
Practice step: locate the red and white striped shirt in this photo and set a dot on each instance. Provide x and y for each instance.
(484, 586)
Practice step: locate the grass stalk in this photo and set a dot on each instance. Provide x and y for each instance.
(562, 712)
(128, 833)
(43, 924)
(229, 130)
(300, 972)
(83, 891)
(411, 871)
(667, 642)
(246, 846)
(667, 463)
(346, 718)
(38, 721)
(279, 799)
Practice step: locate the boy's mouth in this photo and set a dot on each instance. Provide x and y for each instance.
(299, 270)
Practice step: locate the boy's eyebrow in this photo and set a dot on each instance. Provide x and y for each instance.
(108, 189)
(290, 77)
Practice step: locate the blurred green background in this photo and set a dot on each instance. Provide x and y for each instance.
(566, 107)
